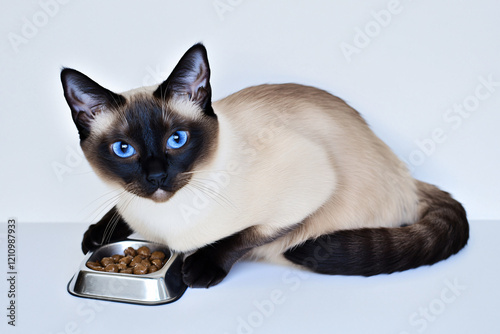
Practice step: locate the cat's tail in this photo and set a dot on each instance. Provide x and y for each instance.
(441, 232)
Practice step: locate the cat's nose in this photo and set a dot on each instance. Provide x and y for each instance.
(156, 172)
(157, 178)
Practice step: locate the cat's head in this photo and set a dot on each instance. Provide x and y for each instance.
(147, 140)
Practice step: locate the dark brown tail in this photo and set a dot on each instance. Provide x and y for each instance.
(442, 231)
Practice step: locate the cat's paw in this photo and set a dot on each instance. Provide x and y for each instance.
(200, 270)
(90, 242)
(110, 228)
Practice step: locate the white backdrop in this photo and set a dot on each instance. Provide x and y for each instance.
(425, 75)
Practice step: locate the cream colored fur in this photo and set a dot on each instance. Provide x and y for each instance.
(288, 156)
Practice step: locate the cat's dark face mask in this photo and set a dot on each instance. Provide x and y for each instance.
(148, 142)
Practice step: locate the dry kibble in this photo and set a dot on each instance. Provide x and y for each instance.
(116, 258)
(135, 261)
(126, 259)
(157, 255)
(144, 252)
(130, 251)
(107, 260)
(122, 266)
(140, 269)
(157, 262)
(139, 262)
(112, 268)
(95, 266)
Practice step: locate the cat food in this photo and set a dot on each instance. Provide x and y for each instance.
(138, 262)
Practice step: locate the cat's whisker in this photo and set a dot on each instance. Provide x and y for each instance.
(204, 171)
(104, 195)
(105, 206)
(115, 193)
(205, 193)
(110, 227)
(218, 197)
(214, 171)
(209, 185)
(187, 187)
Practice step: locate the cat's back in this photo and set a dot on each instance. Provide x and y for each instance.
(291, 108)
(280, 96)
(292, 101)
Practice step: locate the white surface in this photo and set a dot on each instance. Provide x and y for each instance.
(421, 60)
(262, 298)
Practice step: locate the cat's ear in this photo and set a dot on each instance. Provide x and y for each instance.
(190, 78)
(86, 99)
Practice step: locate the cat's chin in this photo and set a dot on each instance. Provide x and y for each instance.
(160, 196)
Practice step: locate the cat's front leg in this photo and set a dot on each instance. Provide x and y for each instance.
(110, 228)
(209, 265)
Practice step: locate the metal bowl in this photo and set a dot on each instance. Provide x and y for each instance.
(160, 287)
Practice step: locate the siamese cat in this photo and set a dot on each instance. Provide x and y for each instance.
(284, 173)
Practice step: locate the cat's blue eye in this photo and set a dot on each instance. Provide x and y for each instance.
(177, 140)
(123, 150)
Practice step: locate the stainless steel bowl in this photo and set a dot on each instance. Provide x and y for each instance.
(160, 287)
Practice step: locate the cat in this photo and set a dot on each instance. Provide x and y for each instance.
(279, 172)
